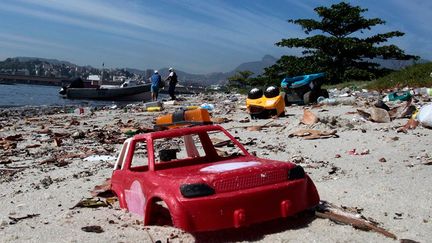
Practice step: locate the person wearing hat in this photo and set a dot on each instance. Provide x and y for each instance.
(156, 81)
(172, 78)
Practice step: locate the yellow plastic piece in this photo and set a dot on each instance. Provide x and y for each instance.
(257, 106)
(192, 107)
(190, 117)
(154, 108)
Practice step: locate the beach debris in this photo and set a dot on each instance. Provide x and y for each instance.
(398, 96)
(57, 141)
(17, 219)
(382, 105)
(33, 146)
(16, 138)
(411, 124)
(382, 160)
(102, 190)
(102, 158)
(245, 120)
(310, 134)
(379, 115)
(78, 135)
(309, 118)
(46, 182)
(354, 152)
(425, 116)
(343, 215)
(9, 172)
(408, 241)
(376, 115)
(90, 203)
(404, 110)
(93, 229)
(219, 120)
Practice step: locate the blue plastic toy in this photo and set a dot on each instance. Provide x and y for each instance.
(303, 89)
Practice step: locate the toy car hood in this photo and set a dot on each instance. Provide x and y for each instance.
(227, 169)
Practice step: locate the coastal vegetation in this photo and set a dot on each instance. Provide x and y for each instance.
(341, 47)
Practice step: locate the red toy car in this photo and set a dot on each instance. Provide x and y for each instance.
(202, 179)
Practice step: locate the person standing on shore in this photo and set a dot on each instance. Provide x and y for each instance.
(156, 81)
(172, 77)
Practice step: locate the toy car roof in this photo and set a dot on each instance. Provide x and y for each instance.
(179, 131)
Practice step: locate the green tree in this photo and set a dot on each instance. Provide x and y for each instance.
(240, 79)
(340, 49)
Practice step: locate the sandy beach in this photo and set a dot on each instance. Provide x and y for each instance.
(46, 168)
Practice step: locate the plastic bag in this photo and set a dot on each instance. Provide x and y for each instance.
(425, 116)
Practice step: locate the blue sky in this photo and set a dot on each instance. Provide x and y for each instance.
(197, 36)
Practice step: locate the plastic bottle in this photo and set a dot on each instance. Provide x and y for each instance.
(398, 96)
(423, 91)
(208, 107)
(336, 101)
(82, 110)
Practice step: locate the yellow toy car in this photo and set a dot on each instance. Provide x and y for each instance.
(265, 104)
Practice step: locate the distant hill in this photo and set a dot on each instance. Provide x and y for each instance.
(257, 67)
(52, 61)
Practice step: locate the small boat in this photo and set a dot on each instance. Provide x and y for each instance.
(128, 91)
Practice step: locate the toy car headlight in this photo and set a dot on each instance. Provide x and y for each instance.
(296, 173)
(196, 190)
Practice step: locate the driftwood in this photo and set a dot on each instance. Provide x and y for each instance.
(309, 134)
(339, 215)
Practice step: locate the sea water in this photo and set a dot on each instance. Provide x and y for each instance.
(17, 95)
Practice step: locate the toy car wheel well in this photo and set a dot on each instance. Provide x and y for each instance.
(158, 213)
(120, 197)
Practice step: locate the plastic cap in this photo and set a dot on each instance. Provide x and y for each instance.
(321, 99)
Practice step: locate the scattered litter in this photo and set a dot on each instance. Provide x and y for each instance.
(354, 152)
(411, 124)
(105, 158)
(340, 215)
(425, 116)
(309, 134)
(337, 101)
(398, 96)
(90, 203)
(207, 106)
(404, 110)
(382, 105)
(103, 190)
(309, 118)
(376, 115)
(17, 219)
(93, 229)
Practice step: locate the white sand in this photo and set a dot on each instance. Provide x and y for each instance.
(396, 193)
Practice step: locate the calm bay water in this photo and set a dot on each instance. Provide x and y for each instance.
(39, 95)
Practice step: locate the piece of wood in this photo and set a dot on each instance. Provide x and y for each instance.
(339, 215)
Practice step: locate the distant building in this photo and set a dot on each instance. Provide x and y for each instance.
(95, 79)
(119, 78)
(21, 72)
